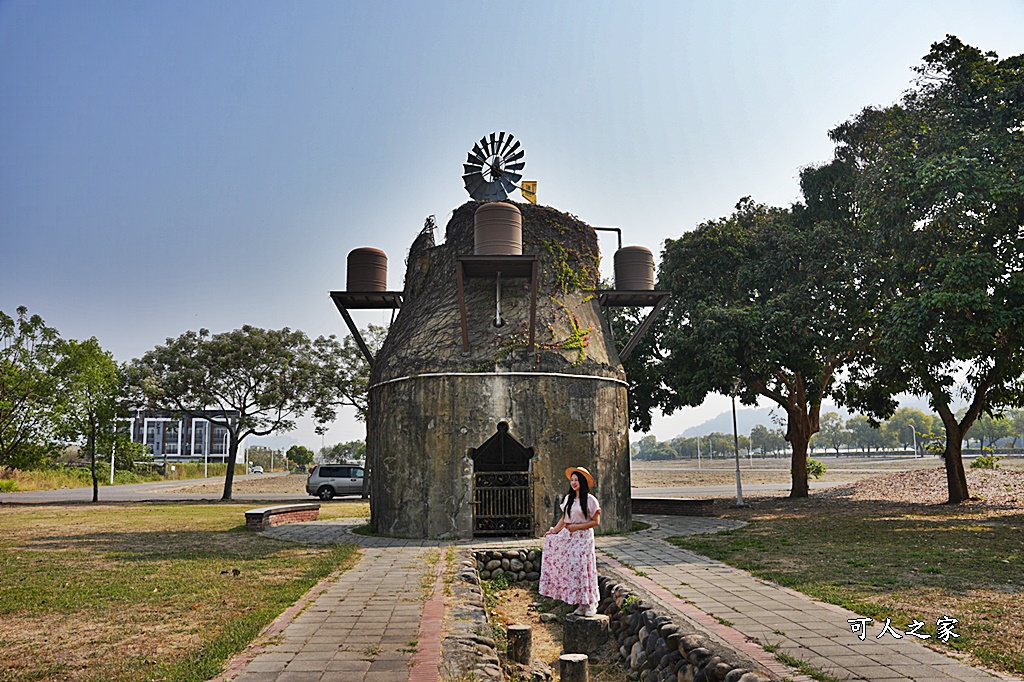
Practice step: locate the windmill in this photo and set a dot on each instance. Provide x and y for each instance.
(492, 167)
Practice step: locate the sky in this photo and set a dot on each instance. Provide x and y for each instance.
(170, 166)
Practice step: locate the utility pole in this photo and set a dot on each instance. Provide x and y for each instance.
(736, 445)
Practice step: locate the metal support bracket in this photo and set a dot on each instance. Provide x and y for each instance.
(491, 266)
(345, 300)
(626, 299)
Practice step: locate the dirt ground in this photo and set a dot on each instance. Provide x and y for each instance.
(276, 483)
(845, 469)
(520, 605)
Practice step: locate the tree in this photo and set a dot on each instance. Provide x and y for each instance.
(900, 429)
(1018, 425)
(302, 456)
(864, 434)
(261, 455)
(833, 433)
(267, 377)
(91, 389)
(347, 368)
(939, 184)
(349, 451)
(29, 352)
(759, 438)
(648, 448)
(992, 429)
(763, 306)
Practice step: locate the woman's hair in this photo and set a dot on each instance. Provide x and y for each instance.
(584, 491)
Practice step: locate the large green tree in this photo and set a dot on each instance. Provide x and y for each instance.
(29, 352)
(906, 424)
(832, 432)
(864, 434)
(267, 378)
(347, 368)
(91, 389)
(301, 455)
(763, 306)
(940, 183)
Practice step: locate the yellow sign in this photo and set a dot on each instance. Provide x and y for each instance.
(529, 190)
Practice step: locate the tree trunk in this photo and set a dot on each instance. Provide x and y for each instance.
(229, 477)
(798, 433)
(956, 477)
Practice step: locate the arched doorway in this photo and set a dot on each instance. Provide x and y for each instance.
(502, 486)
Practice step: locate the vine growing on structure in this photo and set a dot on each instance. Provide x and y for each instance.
(571, 269)
(578, 339)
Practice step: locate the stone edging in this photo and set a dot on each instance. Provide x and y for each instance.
(656, 644)
(468, 645)
(517, 564)
(655, 641)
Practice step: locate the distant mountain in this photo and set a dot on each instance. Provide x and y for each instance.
(746, 419)
(276, 442)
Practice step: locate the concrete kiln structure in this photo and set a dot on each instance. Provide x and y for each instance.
(472, 422)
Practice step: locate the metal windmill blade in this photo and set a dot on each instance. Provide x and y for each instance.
(492, 166)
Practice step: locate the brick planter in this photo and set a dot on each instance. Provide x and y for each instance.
(265, 517)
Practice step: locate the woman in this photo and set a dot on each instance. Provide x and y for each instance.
(568, 567)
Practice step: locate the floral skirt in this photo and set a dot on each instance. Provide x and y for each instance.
(568, 567)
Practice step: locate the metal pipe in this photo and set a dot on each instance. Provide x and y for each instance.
(616, 230)
(497, 297)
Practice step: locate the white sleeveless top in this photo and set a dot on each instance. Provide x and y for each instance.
(576, 513)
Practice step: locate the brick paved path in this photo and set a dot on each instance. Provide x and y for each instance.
(362, 627)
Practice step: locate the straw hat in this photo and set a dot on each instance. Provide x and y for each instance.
(582, 471)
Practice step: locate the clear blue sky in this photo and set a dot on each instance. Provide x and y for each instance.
(166, 166)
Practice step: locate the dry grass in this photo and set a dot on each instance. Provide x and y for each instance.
(141, 592)
(887, 547)
(722, 471)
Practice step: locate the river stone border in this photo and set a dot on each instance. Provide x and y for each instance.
(658, 644)
(517, 564)
(468, 648)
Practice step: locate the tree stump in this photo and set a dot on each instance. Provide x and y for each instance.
(574, 667)
(520, 643)
(584, 634)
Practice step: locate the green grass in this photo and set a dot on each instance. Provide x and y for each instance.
(142, 592)
(887, 561)
(797, 663)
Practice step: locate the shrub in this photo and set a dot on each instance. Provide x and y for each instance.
(986, 462)
(500, 583)
(815, 468)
